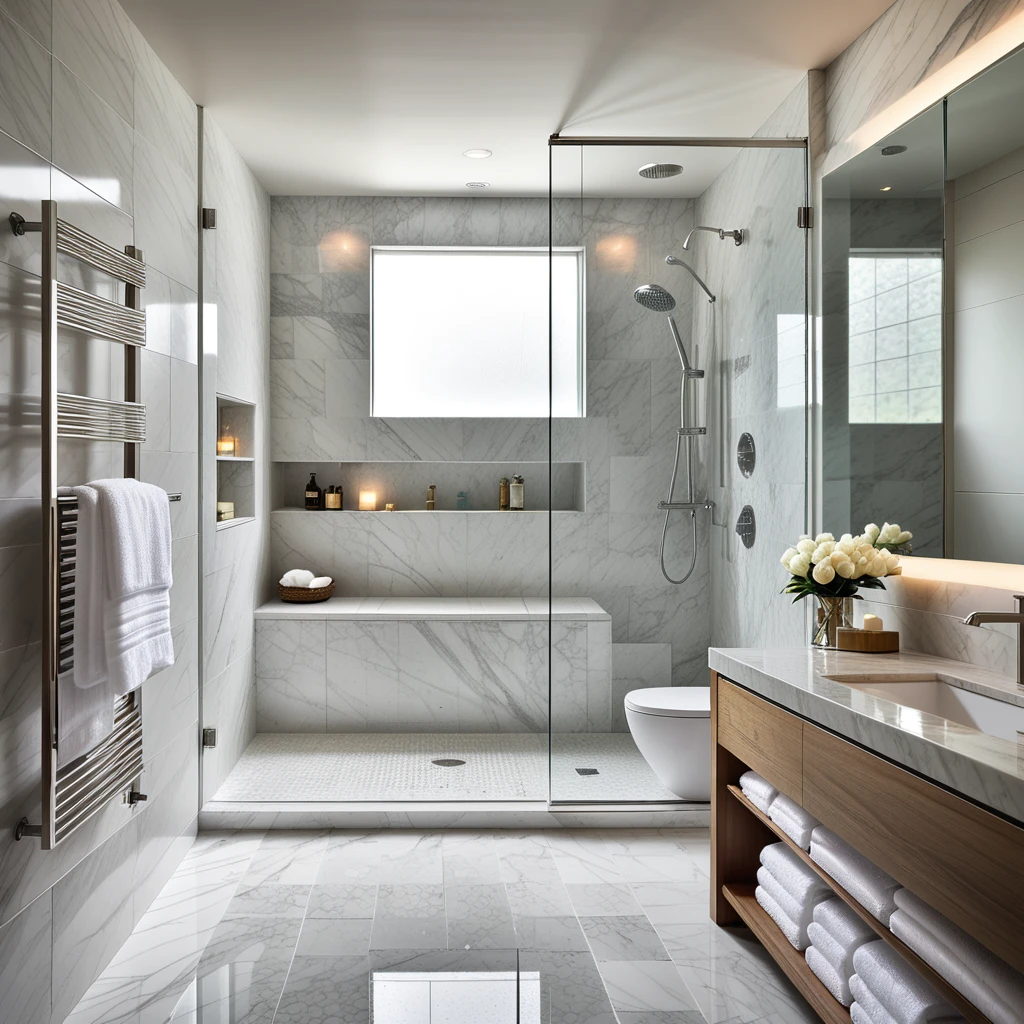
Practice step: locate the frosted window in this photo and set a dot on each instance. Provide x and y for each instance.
(464, 332)
(895, 355)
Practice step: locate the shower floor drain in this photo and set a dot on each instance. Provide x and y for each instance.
(587, 771)
(448, 762)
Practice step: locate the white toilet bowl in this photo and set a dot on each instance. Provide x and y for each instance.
(671, 726)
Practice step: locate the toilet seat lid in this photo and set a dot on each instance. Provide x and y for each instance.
(671, 701)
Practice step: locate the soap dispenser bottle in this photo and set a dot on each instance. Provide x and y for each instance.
(314, 496)
(517, 495)
(430, 497)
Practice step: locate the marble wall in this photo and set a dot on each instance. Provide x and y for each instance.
(754, 339)
(470, 675)
(236, 348)
(319, 372)
(91, 118)
(908, 59)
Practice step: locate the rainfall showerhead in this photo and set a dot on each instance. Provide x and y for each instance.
(653, 296)
(660, 170)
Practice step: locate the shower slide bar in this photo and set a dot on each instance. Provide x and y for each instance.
(75, 791)
(684, 506)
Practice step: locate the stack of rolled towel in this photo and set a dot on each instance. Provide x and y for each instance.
(869, 885)
(988, 982)
(759, 791)
(887, 990)
(304, 578)
(793, 820)
(789, 891)
(836, 933)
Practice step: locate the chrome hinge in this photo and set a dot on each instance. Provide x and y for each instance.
(804, 217)
(209, 218)
(209, 737)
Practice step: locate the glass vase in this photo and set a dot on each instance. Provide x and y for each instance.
(833, 612)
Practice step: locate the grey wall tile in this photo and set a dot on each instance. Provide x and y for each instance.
(25, 963)
(24, 87)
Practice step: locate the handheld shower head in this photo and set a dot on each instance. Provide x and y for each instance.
(675, 261)
(653, 296)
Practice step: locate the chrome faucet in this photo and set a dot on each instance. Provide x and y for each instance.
(977, 618)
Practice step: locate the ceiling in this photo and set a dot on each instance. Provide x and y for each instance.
(381, 97)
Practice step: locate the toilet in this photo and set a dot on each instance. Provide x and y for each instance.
(671, 726)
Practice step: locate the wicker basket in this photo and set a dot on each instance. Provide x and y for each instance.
(303, 595)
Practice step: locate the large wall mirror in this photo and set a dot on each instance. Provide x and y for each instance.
(923, 327)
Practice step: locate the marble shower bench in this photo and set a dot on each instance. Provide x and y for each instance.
(441, 664)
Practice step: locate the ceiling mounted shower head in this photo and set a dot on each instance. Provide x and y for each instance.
(653, 296)
(660, 170)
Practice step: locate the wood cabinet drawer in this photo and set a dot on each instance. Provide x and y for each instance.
(765, 738)
(963, 860)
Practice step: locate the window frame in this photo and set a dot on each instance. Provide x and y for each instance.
(580, 253)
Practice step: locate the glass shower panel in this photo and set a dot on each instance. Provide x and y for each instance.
(675, 318)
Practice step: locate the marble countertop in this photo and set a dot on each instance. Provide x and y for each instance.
(985, 768)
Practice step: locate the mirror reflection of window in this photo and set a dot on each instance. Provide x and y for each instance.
(895, 359)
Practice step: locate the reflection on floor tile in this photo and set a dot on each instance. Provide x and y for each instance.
(587, 927)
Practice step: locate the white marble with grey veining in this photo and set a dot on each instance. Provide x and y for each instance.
(984, 768)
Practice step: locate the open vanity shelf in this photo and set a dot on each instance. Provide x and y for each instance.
(961, 859)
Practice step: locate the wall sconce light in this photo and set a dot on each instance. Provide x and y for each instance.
(367, 501)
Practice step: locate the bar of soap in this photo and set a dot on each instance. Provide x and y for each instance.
(872, 622)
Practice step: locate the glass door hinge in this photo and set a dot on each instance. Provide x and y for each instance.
(804, 217)
(209, 737)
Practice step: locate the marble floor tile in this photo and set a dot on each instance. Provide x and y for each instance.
(241, 935)
(538, 899)
(623, 938)
(601, 899)
(645, 985)
(479, 917)
(561, 934)
(332, 936)
(326, 990)
(342, 901)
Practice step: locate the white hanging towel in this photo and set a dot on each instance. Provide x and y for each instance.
(85, 696)
(137, 541)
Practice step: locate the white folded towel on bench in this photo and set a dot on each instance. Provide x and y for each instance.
(866, 883)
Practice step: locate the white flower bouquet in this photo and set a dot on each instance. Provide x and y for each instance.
(828, 568)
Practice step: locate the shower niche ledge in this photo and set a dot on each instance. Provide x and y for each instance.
(404, 484)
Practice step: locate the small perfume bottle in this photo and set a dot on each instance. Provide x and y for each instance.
(332, 497)
(503, 494)
(430, 497)
(517, 497)
(314, 496)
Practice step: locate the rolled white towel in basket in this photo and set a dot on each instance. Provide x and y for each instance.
(793, 820)
(296, 578)
(996, 988)
(869, 885)
(899, 989)
(759, 791)
(797, 936)
(319, 582)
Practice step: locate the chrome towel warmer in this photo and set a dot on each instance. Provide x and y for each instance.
(72, 793)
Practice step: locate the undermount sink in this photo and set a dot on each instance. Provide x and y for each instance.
(944, 699)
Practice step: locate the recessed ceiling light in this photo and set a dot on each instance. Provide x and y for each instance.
(885, 188)
(893, 150)
(477, 154)
(478, 184)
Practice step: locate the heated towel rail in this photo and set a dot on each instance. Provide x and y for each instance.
(73, 792)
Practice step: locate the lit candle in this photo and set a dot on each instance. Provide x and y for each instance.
(389, 507)
(367, 501)
(226, 446)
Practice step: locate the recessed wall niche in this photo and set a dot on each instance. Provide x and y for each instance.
(236, 492)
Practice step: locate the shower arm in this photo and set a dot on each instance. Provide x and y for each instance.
(736, 236)
(674, 261)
